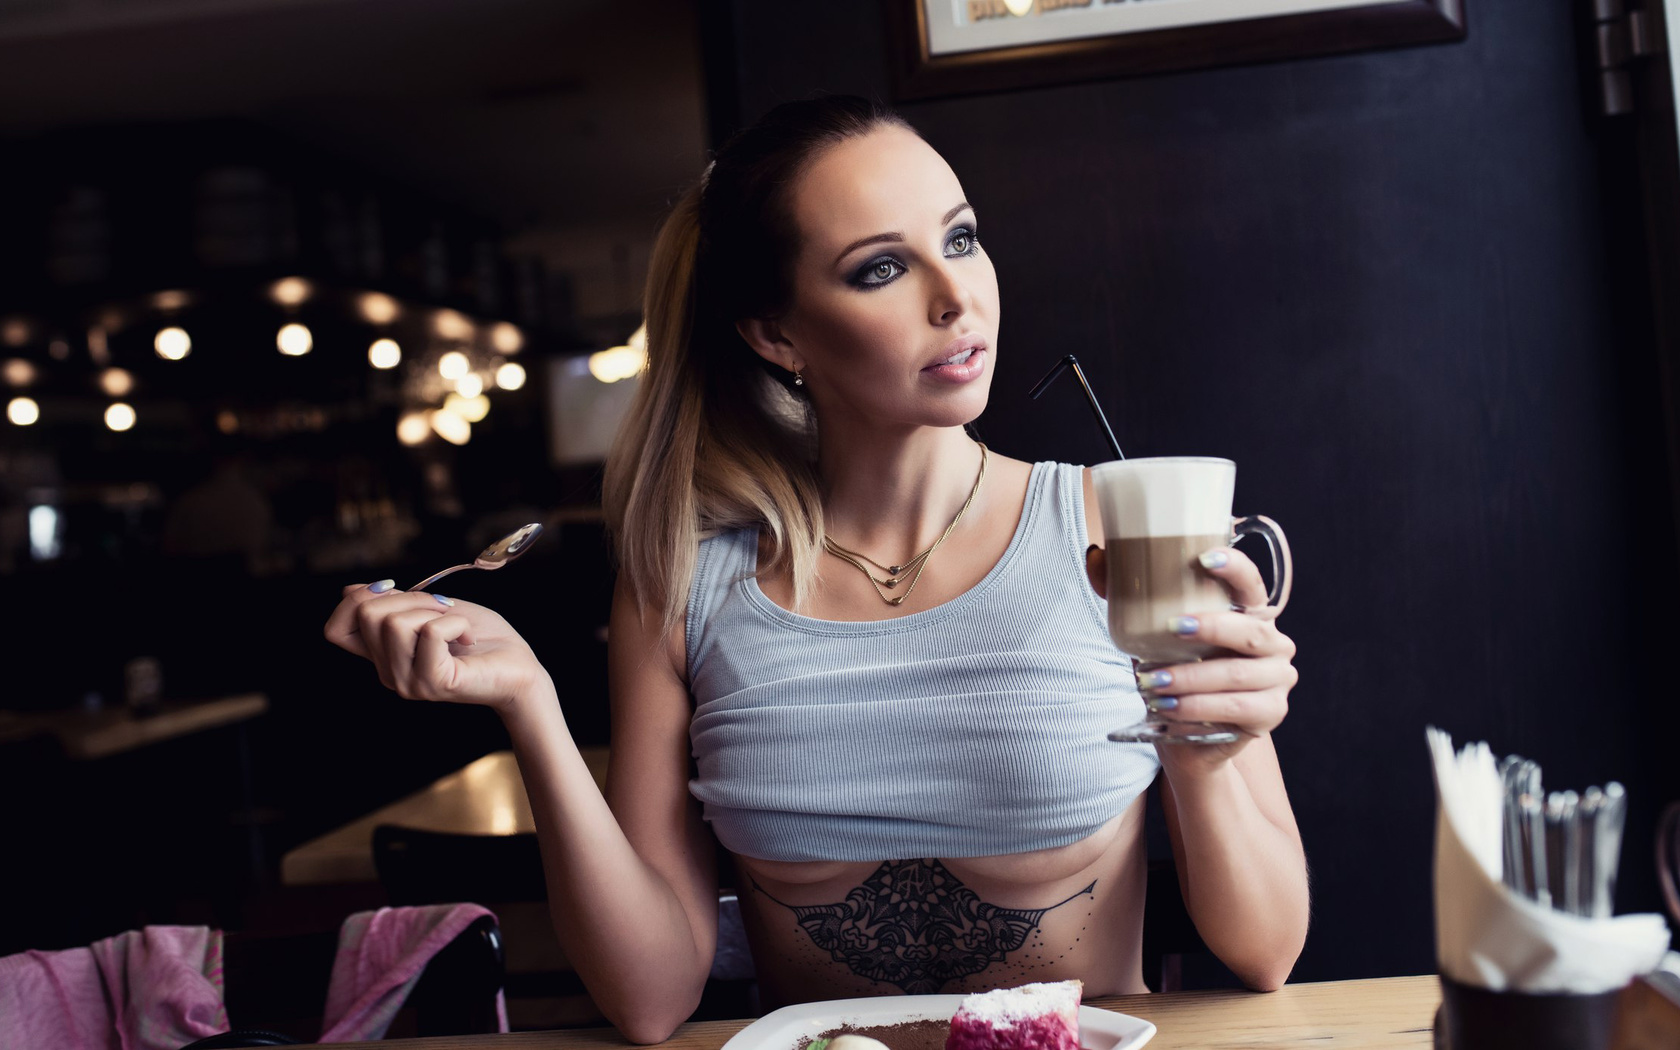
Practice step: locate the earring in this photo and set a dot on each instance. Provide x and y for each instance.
(798, 380)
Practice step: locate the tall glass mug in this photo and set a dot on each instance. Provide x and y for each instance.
(1159, 516)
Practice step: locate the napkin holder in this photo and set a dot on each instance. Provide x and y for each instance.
(1472, 1018)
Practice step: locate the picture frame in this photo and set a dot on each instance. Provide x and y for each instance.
(957, 47)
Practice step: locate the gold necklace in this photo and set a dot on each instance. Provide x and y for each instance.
(912, 569)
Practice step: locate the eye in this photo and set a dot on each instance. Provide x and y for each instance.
(963, 242)
(879, 272)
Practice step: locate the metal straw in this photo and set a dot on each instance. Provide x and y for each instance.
(1071, 362)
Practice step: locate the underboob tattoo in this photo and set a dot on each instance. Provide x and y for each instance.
(914, 925)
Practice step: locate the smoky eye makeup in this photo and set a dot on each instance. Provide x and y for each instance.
(882, 270)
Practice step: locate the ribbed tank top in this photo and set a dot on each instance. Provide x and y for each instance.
(975, 728)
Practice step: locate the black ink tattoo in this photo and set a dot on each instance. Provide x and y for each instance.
(914, 925)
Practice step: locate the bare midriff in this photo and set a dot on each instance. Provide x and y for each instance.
(835, 930)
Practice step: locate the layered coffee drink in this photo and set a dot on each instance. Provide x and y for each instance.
(1152, 579)
(1159, 516)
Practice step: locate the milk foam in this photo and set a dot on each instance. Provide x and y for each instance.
(1168, 496)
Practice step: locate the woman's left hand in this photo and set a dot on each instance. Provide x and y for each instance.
(1248, 689)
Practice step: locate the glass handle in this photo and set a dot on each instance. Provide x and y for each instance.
(1283, 575)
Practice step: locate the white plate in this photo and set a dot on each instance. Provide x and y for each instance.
(782, 1029)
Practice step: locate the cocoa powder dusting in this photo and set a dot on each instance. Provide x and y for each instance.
(906, 1035)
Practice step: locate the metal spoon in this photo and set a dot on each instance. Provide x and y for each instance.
(495, 556)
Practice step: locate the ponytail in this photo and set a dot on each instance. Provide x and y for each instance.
(715, 439)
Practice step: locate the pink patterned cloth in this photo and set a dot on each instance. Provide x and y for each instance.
(157, 988)
(381, 955)
(160, 988)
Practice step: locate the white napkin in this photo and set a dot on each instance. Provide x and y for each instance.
(1489, 937)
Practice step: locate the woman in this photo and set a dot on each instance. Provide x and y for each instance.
(854, 646)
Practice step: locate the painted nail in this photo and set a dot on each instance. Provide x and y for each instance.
(1163, 703)
(441, 600)
(1183, 624)
(1214, 560)
(1156, 679)
(382, 586)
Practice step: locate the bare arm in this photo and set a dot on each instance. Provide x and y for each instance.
(632, 886)
(1240, 863)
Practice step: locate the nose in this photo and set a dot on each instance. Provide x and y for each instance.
(948, 297)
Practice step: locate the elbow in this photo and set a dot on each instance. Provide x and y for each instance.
(1266, 972)
(651, 1018)
(1262, 964)
(1267, 980)
(638, 1031)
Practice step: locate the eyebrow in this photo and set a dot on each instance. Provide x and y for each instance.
(880, 238)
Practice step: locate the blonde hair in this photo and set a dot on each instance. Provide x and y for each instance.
(717, 438)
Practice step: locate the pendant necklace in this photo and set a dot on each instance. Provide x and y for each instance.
(913, 568)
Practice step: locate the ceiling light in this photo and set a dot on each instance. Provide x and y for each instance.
(119, 417)
(451, 325)
(291, 291)
(450, 427)
(510, 376)
(23, 411)
(19, 372)
(117, 382)
(472, 409)
(453, 365)
(384, 353)
(171, 343)
(412, 429)
(294, 340)
(620, 362)
(377, 308)
(507, 338)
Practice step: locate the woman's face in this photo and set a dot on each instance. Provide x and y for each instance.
(890, 285)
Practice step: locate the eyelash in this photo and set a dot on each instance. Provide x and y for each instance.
(860, 279)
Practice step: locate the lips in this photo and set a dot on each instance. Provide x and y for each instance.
(958, 351)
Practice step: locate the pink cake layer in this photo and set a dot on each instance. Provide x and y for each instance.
(1045, 1032)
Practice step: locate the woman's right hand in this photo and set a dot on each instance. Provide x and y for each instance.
(428, 647)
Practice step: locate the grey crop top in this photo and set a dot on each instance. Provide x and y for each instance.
(975, 728)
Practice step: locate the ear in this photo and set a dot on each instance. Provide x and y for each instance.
(769, 341)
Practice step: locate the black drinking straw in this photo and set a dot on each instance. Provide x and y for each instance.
(1071, 362)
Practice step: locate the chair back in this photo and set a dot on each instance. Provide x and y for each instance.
(275, 987)
(504, 873)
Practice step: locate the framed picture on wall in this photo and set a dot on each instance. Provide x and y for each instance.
(957, 47)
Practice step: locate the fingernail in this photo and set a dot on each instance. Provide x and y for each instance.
(382, 586)
(1183, 624)
(1214, 559)
(1156, 679)
(1163, 703)
(441, 600)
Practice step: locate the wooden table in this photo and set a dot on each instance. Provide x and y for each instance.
(112, 730)
(1389, 1013)
(486, 797)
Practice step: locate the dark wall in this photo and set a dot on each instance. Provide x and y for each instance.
(1404, 290)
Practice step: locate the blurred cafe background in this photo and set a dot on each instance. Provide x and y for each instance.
(300, 293)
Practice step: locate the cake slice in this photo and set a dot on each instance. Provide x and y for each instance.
(1031, 1017)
